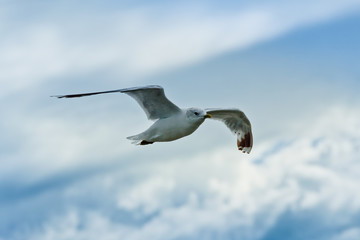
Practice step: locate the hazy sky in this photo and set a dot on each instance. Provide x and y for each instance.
(68, 172)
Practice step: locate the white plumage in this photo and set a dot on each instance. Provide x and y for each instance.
(172, 122)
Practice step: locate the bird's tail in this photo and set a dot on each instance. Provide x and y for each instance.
(138, 140)
(135, 139)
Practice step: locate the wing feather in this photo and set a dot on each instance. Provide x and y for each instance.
(151, 98)
(238, 123)
(153, 101)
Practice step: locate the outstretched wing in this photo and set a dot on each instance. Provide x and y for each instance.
(152, 100)
(238, 123)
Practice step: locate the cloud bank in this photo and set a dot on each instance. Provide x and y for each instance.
(311, 179)
(65, 176)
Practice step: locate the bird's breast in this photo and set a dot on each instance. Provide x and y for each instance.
(169, 129)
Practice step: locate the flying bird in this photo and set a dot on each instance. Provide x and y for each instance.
(172, 122)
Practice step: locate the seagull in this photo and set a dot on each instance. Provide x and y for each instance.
(172, 122)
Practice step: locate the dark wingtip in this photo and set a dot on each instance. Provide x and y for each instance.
(74, 95)
(245, 144)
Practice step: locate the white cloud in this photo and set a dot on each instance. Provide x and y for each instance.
(52, 143)
(222, 190)
(148, 197)
(348, 234)
(68, 227)
(139, 42)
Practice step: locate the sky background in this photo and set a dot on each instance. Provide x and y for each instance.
(68, 172)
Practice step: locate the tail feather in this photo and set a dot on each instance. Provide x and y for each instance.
(135, 139)
(139, 139)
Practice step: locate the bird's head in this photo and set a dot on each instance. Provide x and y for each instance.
(197, 114)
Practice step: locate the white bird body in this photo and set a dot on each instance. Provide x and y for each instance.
(171, 128)
(173, 122)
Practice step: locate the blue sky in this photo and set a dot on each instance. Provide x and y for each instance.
(68, 171)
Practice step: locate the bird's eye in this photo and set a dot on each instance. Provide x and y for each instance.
(196, 113)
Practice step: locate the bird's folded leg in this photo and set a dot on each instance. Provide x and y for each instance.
(144, 142)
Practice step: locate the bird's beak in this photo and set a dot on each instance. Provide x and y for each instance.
(208, 116)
